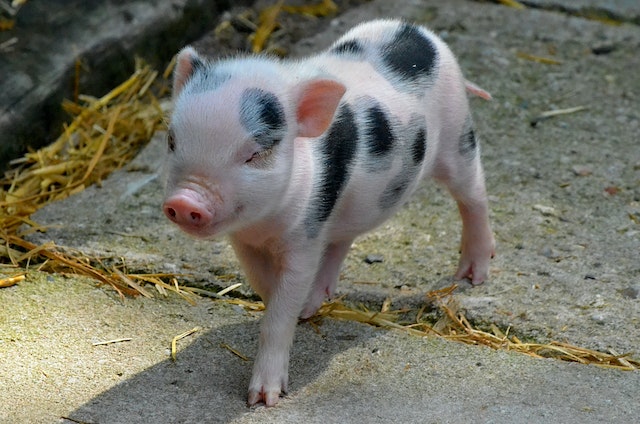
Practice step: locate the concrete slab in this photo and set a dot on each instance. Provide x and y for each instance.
(344, 372)
(565, 197)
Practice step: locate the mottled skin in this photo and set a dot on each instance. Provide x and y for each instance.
(295, 159)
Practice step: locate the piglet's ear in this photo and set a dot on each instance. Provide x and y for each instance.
(317, 104)
(187, 61)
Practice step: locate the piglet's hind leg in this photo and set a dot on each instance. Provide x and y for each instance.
(326, 280)
(477, 245)
(461, 172)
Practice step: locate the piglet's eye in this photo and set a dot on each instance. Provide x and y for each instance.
(261, 154)
(171, 141)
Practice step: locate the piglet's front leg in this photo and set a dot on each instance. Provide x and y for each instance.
(292, 275)
(271, 368)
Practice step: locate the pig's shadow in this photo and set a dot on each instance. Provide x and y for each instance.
(208, 383)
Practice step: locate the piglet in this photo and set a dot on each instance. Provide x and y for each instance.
(293, 159)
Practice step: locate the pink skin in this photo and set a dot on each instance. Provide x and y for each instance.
(477, 242)
(283, 284)
(477, 91)
(186, 210)
(220, 193)
(218, 186)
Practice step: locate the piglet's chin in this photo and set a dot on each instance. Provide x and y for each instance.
(209, 232)
(208, 229)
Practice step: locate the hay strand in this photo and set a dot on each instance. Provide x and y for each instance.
(556, 112)
(175, 340)
(11, 281)
(512, 3)
(108, 342)
(267, 24)
(538, 59)
(268, 19)
(234, 351)
(322, 8)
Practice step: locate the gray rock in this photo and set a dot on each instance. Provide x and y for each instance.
(631, 292)
(373, 258)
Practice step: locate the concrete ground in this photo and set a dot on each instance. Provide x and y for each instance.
(565, 199)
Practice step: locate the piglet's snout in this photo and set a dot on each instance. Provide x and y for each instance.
(187, 211)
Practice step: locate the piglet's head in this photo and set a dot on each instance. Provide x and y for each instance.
(231, 139)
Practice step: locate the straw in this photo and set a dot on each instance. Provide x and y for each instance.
(453, 325)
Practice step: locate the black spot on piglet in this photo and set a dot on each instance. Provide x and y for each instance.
(395, 189)
(467, 143)
(419, 146)
(338, 150)
(379, 138)
(262, 115)
(410, 55)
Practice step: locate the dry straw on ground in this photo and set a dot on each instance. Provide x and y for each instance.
(105, 134)
(268, 19)
(453, 325)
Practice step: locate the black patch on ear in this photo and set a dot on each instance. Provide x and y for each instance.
(262, 115)
(351, 47)
(419, 146)
(410, 55)
(378, 135)
(338, 150)
(197, 64)
(206, 78)
(206, 75)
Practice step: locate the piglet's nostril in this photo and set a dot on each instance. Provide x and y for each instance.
(184, 210)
